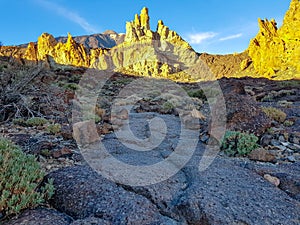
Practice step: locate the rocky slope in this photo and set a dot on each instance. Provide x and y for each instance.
(107, 39)
(276, 49)
(143, 52)
(274, 53)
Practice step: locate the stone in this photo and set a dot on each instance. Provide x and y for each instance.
(85, 132)
(262, 155)
(243, 112)
(41, 216)
(266, 140)
(82, 193)
(272, 179)
(291, 158)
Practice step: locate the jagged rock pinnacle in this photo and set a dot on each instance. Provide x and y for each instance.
(276, 49)
(145, 20)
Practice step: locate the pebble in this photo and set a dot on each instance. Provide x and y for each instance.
(291, 158)
(275, 143)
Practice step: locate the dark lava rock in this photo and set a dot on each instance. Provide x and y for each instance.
(81, 192)
(288, 174)
(227, 192)
(91, 220)
(243, 113)
(40, 216)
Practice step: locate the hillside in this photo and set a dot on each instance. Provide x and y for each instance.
(273, 53)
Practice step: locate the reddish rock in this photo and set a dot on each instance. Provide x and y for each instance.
(243, 112)
(272, 179)
(262, 155)
(85, 132)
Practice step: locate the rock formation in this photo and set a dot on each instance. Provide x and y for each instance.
(163, 53)
(276, 49)
(143, 52)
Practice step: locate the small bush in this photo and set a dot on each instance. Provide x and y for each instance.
(53, 128)
(197, 94)
(288, 123)
(238, 144)
(19, 121)
(275, 114)
(20, 179)
(168, 106)
(36, 121)
(71, 86)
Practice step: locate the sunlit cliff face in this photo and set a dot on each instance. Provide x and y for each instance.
(276, 49)
(163, 53)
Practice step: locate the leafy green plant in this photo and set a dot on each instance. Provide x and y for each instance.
(288, 123)
(275, 114)
(168, 106)
(36, 121)
(237, 143)
(71, 86)
(196, 94)
(53, 128)
(20, 180)
(19, 121)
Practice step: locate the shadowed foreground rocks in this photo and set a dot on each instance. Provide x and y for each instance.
(230, 191)
(223, 194)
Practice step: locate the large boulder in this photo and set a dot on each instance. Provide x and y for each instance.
(40, 216)
(243, 112)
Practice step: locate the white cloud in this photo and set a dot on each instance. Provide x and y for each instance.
(235, 36)
(69, 14)
(199, 38)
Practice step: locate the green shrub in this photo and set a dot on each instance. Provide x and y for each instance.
(71, 86)
(36, 121)
(275, 114)
(288, 123)
(19, 121)
(168, 106)
(20, 179)
(236, 143)
(53, 128)
(197, 94)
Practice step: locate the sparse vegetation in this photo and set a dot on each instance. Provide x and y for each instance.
(53, 128)
(31, 122)
(275, 114)
(168, 106)
(20, 179)
(196, 94)
(36, 121)
(238, 144)
(288, 123)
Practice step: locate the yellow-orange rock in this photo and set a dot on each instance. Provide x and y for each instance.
(276, 49)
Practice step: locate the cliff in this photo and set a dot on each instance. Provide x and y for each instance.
(144, 52)
(274, 49)
(274, 53)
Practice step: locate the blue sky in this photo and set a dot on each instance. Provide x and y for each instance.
(214, 26)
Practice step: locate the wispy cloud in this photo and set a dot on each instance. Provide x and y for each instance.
(69, 14)
(230, 37)
(199, 38)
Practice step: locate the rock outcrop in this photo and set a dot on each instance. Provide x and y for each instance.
(274, 49)
(143, 52)
(148, 53)
(274, 53)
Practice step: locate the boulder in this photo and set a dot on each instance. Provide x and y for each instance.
(243, 112)
(40, 216)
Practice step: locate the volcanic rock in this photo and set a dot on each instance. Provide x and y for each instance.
(276, 49)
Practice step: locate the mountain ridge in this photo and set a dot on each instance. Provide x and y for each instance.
(274, 53)
(107, 39)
